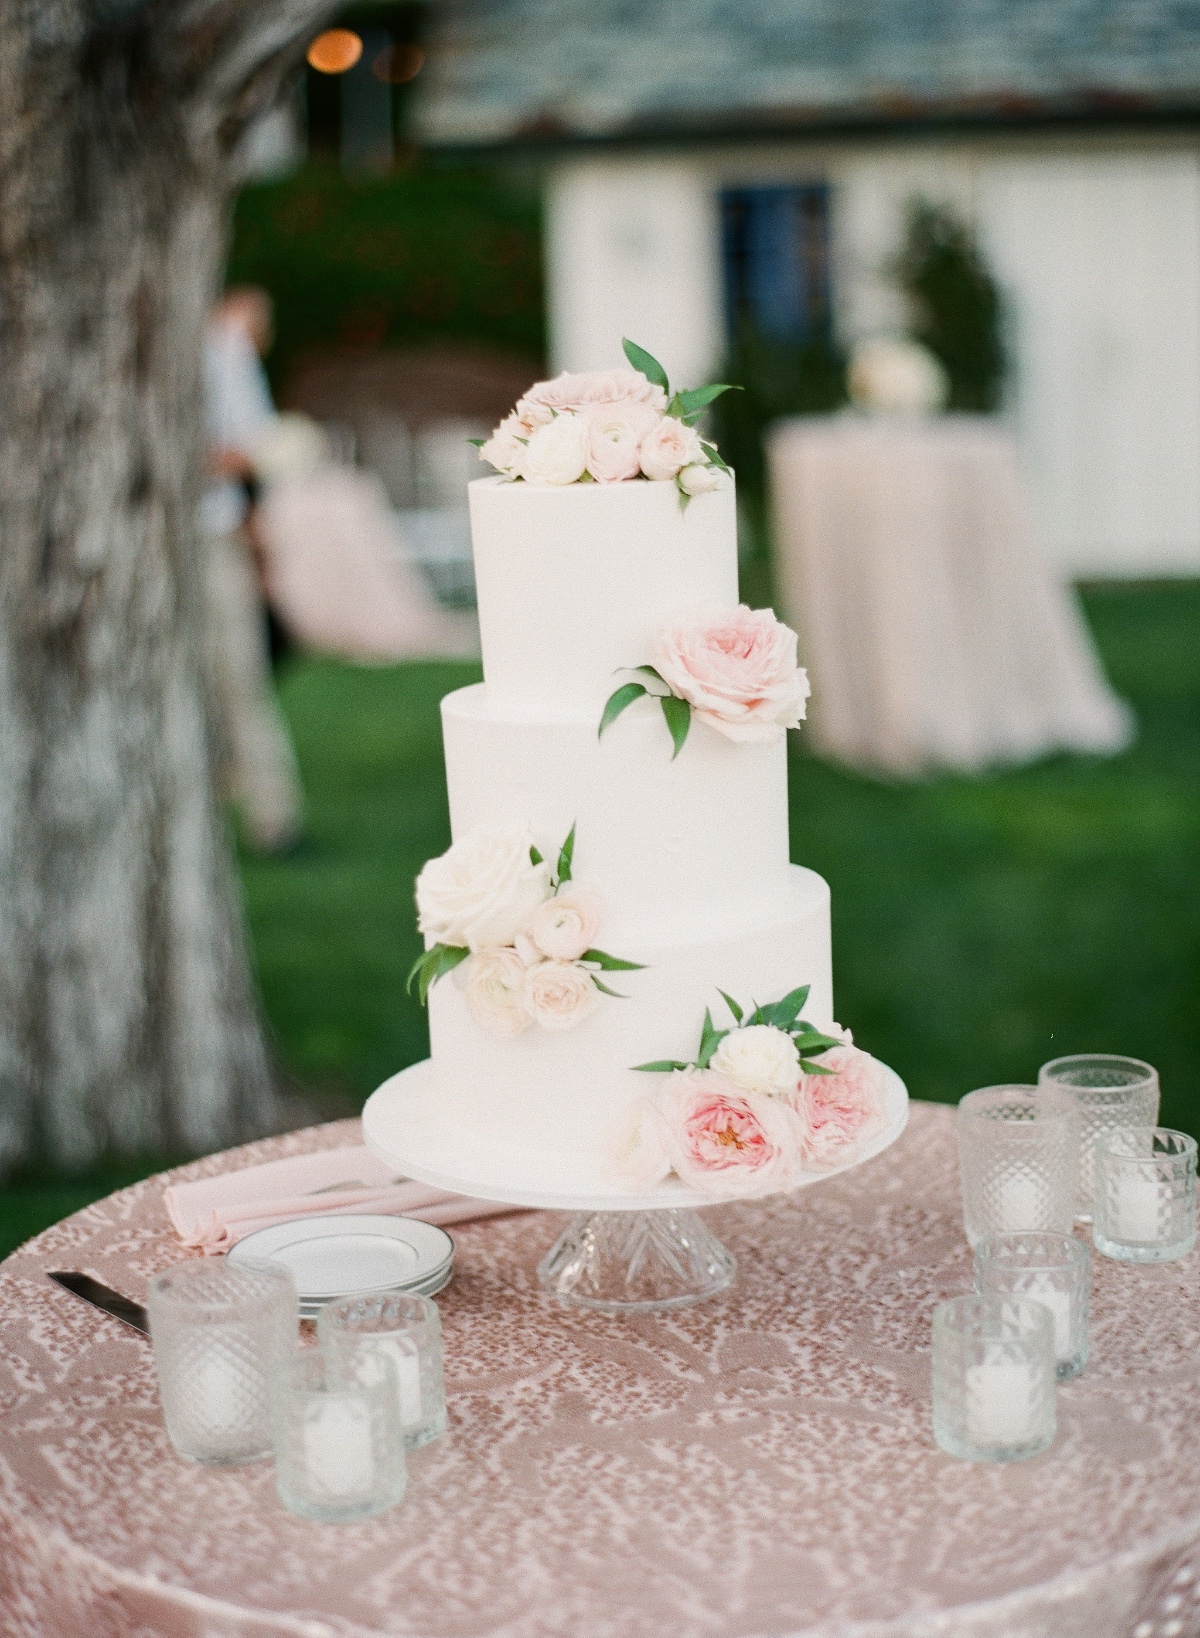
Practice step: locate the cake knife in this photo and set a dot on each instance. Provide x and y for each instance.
(103, 1297)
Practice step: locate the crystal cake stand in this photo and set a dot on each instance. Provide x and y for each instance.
(623, 1251)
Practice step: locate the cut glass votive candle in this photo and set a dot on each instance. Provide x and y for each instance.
(1110, 1092)
(1017, 1153)
(406, 1331)
(1053, 1269)
(994, 1378)
(339, 1444)
(218, 1332)
(1144, 1206)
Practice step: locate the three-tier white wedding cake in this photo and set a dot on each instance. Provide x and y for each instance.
(619, 871)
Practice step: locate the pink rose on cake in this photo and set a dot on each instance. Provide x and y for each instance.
(724, 1141)
(738, 671)
(565, 926)
(582, 389)
(559, 994)
(482, 890)
(841, 1112)
(668, 448)
(494, 984)
(614, 439)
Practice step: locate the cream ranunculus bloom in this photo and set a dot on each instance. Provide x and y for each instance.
(504, 448)
(556, 454)
(568, 924)
(699, 479)
(759, 1058)
(668, 447)
(559, 994)
(615, 433)
(495, 991)
(483, 890)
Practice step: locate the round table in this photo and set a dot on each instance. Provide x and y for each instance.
(761, 1464)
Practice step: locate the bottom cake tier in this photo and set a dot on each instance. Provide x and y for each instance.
(557, 1094)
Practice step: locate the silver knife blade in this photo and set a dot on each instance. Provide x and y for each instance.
(103, 1297)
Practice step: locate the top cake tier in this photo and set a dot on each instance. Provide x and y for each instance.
(575, 582)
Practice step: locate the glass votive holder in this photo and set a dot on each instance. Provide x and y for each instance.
(994, 1378)
(218, 1331)
(1110, 1092)
(1144, 1207)
(406, 1331)
(1017, 1150)
(1053, 1269)
(339, 1445)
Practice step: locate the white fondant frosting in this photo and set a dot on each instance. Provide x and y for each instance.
(690, 853)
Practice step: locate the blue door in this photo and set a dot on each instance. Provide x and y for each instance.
(776, 253)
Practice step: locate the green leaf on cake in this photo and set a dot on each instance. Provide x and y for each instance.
(535, 857)
(604, 990)
(691, 403)
(651, 671)
(565, 855)
(617, 702)
(609, 963)
(714, 456)
(661, 1066)
(477, 443)
(679, 719)
(784, 1013)
(647, 363)
(816, 1069)
(435, 964)
(710, 1040)
(732, 1005)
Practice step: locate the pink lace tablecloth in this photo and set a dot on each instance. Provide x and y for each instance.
(762, 1464)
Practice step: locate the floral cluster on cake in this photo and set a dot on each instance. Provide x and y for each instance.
(737, 671)
(753, 1113)
(518, 934)
(607, 426)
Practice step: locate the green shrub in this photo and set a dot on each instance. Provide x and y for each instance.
(956, 305)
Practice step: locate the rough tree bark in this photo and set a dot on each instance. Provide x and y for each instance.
(128, 1015)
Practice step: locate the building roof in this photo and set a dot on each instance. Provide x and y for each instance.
(504, 71)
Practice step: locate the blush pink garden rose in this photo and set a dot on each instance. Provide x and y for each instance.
(723, 1141)
(558, 995)
(840, 1113)
(668, 447)
(582, 389)
(568, 924)
(738, 672)
(614, 439)
(494, 984)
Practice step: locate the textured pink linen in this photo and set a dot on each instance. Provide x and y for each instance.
(760, 1466)
(213, 1213)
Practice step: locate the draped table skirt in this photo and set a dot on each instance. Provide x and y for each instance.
(761, 1464)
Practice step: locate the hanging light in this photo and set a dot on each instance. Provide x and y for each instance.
(335, 51)
(397, 64)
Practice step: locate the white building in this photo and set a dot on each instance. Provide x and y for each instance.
(1067, 133)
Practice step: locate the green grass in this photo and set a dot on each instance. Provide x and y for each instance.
(980, 925)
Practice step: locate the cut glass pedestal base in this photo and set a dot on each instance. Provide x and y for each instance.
(631, 1261)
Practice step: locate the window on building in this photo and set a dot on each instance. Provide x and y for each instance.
(776, 252)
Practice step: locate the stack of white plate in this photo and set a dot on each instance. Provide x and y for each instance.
(332, 1257)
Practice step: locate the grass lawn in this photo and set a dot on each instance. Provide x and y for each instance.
(980, 925)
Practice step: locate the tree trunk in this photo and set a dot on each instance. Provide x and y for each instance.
(128, 1017)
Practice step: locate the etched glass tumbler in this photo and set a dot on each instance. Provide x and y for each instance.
(218, 1332)
(405, 1331)
(1017, 1151)
(1110, 1092)
(993, 1378)
(339, 1445)
(1053, 1269)
(1145, 1199)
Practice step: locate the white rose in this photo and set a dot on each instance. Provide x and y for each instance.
(568, 924)
(698, 479)
(559, 995)
(638, 1152)
(556, 453)
(502, 450)
(669, 447)
(759, 1058)
(482, 890)
(495, 991)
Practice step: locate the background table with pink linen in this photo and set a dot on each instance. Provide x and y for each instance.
(761, 1464)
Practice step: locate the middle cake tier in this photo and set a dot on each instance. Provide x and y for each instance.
(689, 840)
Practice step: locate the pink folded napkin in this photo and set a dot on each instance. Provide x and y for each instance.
(214, 1213)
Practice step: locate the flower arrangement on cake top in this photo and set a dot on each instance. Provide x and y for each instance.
(519, 936)
(606, 426)
(736, 671)
(753, 1112)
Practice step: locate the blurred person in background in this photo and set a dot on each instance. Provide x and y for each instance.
(257, 760)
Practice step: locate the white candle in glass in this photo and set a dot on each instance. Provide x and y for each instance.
(1059, 1304)
(217, 1390)
(1019, 1204)
(338, 1454)
(408, 1374)
(1000, 1397)
(1135, 1217)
